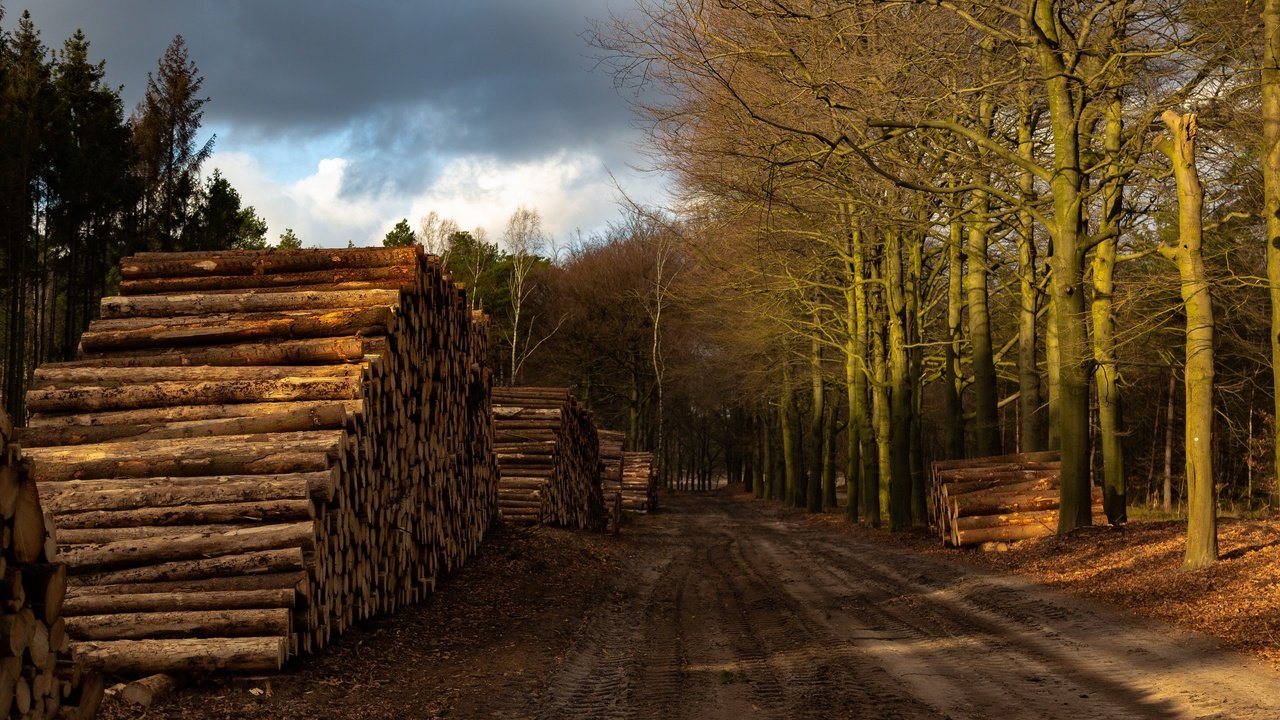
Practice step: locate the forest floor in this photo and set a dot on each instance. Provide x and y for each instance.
(719, 606)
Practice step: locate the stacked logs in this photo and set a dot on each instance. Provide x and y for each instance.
(548, 455)
(258, 449)
(611, 451)
(39, 674)
(1001, 498)
(639, 482)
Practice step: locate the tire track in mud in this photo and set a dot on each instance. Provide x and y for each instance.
(735, 611)
(982, 645)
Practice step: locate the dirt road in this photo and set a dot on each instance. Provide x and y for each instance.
(742, 614)
(719, 607)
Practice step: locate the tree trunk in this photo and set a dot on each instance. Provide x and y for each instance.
(790, 444)
(1107, 373)
(1271, 194)
(1030, 430)
(1202, 527)
(986, 422)
(1168, 442)
(899, 396)
(951, 372)
(1069, 248)
(817, 414)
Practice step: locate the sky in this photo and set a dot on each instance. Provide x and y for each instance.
(337, 119)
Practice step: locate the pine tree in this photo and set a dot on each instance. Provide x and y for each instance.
(165, 126)
(89, 185)
(289, 240)
(400, 236)
(26, 97)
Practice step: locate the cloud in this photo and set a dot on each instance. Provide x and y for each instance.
(338, 118)
(571, 190)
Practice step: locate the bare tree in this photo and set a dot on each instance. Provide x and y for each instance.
(434, 233)
(525, 239)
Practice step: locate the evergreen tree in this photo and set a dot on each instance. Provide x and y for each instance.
(252, 234)
(165, 126)
(89, 185)
(26, 99)
(289, 240)
(400, 236)
(221, 222)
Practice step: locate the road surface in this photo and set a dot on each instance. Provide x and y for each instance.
(737, 612)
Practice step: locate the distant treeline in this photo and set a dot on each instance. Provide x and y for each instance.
(82, 185)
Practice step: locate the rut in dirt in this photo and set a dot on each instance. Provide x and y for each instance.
(738, 612)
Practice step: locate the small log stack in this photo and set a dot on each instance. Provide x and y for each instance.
(257, 449)
(40, 677)
(639, 482)
(548, 454)
(611, 449)
(1001, 498)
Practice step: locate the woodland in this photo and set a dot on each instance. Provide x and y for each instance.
(901, 231)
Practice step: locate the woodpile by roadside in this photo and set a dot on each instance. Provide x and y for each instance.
(611, 449)
(40, 677)
(639, 482)
(548, 453)
(1001, 498)
(257, 449)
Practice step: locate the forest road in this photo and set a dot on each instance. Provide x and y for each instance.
(739, 613)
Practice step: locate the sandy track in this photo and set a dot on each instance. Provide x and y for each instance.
(737, 612)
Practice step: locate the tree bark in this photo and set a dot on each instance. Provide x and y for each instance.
(1106, 376)
(1067, 261)
(1271, 194)
(216, 623)
(193, 655)
(899, 392)
(1202, 523)
(1031, 428)
(952, 375)
(167, 306)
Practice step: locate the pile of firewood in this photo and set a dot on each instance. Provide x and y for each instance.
(40, 677)
(997, 499)
(548, 455)
(639, 482)
(258, 449)
(611, 449)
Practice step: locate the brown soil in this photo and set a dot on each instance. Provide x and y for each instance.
(721, 607)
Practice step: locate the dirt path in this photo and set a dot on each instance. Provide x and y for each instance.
(746, 614)
(723, 608)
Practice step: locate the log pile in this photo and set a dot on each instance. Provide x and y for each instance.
(40, 676)
(257, 449)
(611, 449)
(548, 455)
(1001, 498)
(639, 482)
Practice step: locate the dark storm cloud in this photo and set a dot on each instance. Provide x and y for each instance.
(406, 82)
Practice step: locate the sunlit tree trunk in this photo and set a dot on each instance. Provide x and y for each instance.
(915, 377)
(1106, 375)
(1271, 192)
(1202, 523)
(899, 383)
(951, 372)
(986, 421)
(1031, 429)
(1067, 263)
